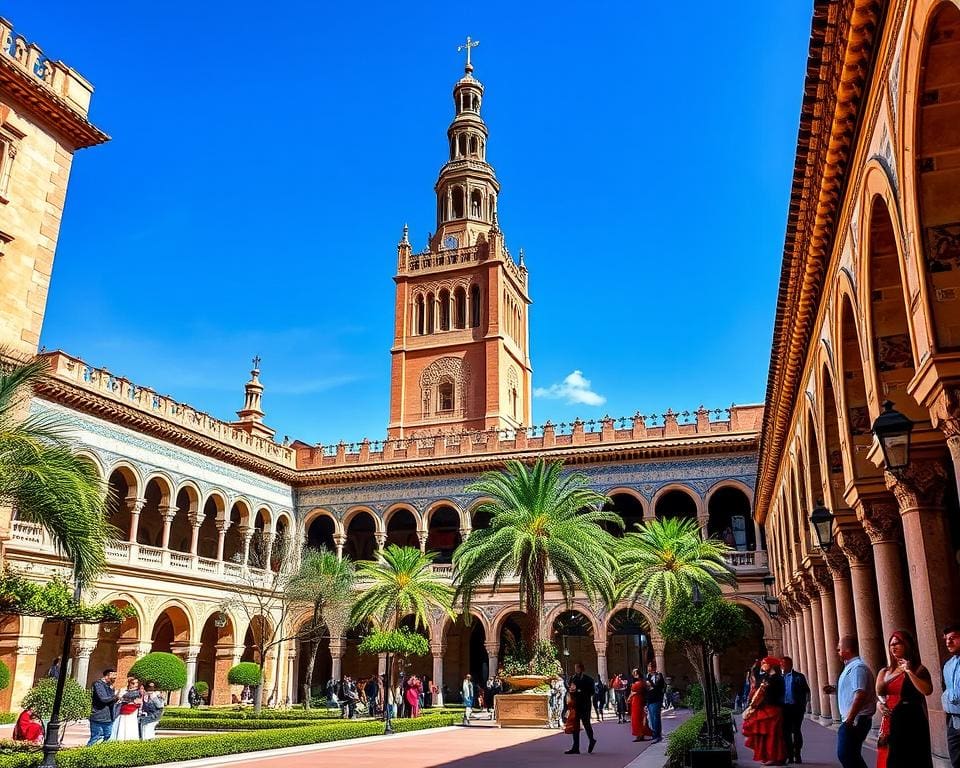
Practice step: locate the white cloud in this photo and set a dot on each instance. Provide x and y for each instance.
(574, 389)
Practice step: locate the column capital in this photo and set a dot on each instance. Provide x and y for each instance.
(339, 539)
(222, 525)
(245, 531)
(381, 538)
(855, 544)
(134, 505)
(196, 518)
(658, 644)
(921, 484)
(880, 518)
(437, 649)
(822, 578)
(338, 645)
(188, 652)
(492, 647)
(836, 562)
(84, 647)
(29, 646)
(167, 513)
(945, 411)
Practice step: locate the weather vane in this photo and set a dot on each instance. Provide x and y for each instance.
(256, 362)
(466, 47)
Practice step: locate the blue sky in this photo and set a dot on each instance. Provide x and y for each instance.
(265, 158)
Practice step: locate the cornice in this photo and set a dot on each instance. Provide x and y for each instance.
(839, 71)
(37, 98)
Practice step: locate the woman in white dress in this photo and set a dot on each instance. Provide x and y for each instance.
(128, 720)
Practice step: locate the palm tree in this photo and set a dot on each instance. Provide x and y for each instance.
(402, 582)
(325, 582)
(666, 558)
(44, 481)
(542, 521)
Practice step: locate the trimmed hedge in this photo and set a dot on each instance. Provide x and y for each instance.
(248, 714)
(4, 675)
(8, 717)
(236, 723)
(125, 754)
(683, 738)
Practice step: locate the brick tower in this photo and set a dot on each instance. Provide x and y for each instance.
(461, 357)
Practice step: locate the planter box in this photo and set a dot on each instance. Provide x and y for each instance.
(710, 757)
(511, 710)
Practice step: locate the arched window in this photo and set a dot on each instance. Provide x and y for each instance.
(445, 399)
(460, 308)
(431, 309)
(444, 310)
(476, 204)
(474, 306)
(461, 144)
(474, 147)
(418, 316)
(458, 202)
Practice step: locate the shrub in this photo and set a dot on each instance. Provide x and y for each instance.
(683, 738)
(245, 673)
(238, 723)
(125, 754)
(76, 700)
(202, 688)
(247, 713)
(4, 675)
(166, 671)
(8, 717)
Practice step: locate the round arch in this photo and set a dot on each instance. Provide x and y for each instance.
(578, 607)
(446, 502)
(164, 483)
(351, 513)
(393, 509)
(131, 476)
(94, 459)
(219, 499)
(245, 509)
(173, 626)
(682, 488)
(318, 512)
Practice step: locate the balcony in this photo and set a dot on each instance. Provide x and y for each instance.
(31, 538)
(745, 563)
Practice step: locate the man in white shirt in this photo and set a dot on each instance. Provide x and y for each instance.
(951, 692)
(855, 694)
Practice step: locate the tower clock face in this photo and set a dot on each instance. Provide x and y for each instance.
(450, 242)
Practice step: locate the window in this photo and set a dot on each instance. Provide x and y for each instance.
(431, 309)
(458, 202)
(418, 321)
(444, 310)
(474, 306)
(445, 397)
(9, 144)
(460, 308)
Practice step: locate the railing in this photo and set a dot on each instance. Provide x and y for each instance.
(747, 560)
(454, 257)
(30, 537)
(667, 425)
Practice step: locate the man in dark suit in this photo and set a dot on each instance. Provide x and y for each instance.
(795, 697)
(582, 697)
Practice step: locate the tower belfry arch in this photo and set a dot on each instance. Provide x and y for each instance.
(462, 303)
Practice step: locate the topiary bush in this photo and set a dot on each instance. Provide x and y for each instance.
(76, 700)
(245, 673)
(166, 671)
(202, 688)
(4, 676)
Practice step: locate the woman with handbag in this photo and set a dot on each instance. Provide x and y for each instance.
(763, 718)
(904, 740)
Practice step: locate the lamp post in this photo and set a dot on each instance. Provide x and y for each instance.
(892, 430)
(822, 521)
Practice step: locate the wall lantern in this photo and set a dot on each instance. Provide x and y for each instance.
(220, 620)
(822, 521)
(892, 430)
(770, 600)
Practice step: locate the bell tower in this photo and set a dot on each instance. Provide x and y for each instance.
(461, 358)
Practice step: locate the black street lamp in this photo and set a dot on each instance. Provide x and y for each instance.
(770, 601)
(892, 429)
(822, 521)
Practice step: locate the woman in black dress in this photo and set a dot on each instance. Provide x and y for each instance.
(902, 686)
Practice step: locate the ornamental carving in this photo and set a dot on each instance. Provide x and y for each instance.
(454, 370)
(836, 562)
(855, 545)
(922, 484)
(880, 519)
(945, 412)
(822, 579)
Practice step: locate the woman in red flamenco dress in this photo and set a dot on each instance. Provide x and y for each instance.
(638, 710)
(763, 719)
(902, 687)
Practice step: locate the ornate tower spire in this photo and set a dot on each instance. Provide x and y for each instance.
(460, 354)
(251, 415)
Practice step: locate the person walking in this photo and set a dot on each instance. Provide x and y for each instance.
(467, 691)
(951, 692)
(103, 697)
(796, 694)
(656, 686)
(902, 687)
(582, 695)
(855, 695)
(54, 671)
(571, 722)
(599, 698)
(151, 710)
(638, 708)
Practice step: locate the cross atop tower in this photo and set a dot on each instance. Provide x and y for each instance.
(466, 47)
(256, 362)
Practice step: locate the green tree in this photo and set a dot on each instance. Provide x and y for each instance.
(4, 676)
(75, 704)
(324, 582)
(44, 480)
(167, 671)
(245, 673)
(542, 522)
(663, 560)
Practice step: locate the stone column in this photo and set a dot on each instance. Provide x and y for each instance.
(856, 546)
(339, 539)
(422, 536)
(827, 582)
(493, 656)
(266, 554)
(842, 592)
(247, 533)
(219, 686)
(26, 668)
(167, 514)
(819, 648)
(919, 491)
(337, 647)
(801, 661)
(437, 650)
(602, 674)
(196, 520)
(222, 526)
(189, 654)
(381, 539)
(82, 650)
(881, 521)
(659, 646)
(134, 507)
(811, 648)
(291, 674)
(829, 671)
